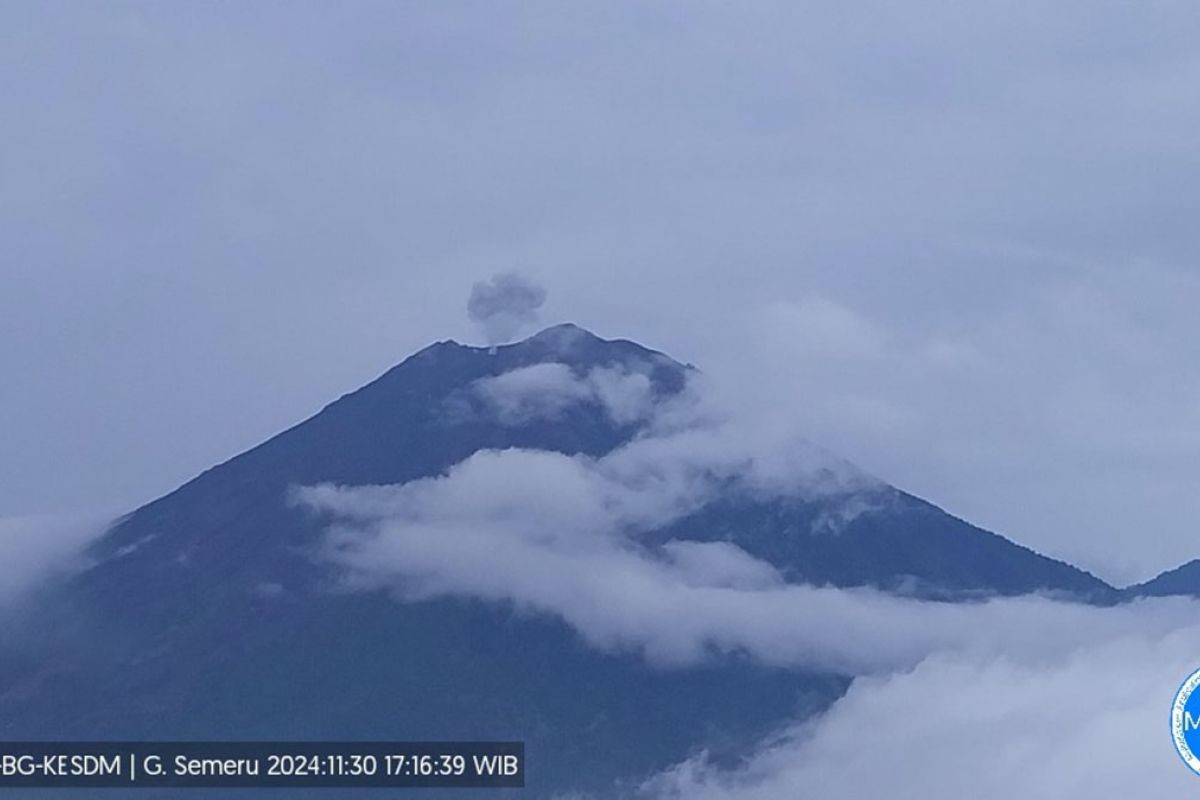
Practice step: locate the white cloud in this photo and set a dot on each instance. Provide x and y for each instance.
(479, 533)
(548, 389)
(719, 564)
(1083, 724)
(627, 396)
(537, 391)
(36, 548)
(562, 535)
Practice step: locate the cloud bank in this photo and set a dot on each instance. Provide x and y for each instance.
(558, 535)
(566, 536)
(1083, 724)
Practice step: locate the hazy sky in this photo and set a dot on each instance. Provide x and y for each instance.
(958, 239)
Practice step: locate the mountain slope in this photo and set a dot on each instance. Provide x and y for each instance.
(1183, 580)
(891, 540)
(205, 614)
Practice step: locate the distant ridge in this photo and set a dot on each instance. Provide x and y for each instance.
(1183, 580)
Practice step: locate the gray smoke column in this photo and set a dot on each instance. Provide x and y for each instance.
(504, 305)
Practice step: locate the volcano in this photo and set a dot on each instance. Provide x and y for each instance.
(204, 614)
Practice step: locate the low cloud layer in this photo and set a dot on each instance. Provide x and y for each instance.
(564, 536)
(1082, 724)
(557, 535)
(34, 549)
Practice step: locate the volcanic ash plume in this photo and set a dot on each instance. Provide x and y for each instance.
(504, 305)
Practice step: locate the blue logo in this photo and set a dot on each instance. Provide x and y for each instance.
(1185, 721)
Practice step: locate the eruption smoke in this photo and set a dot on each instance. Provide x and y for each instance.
(504, 305)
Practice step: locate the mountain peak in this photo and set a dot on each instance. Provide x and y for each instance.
(562, 336)
(565, 342)
(564, 333)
